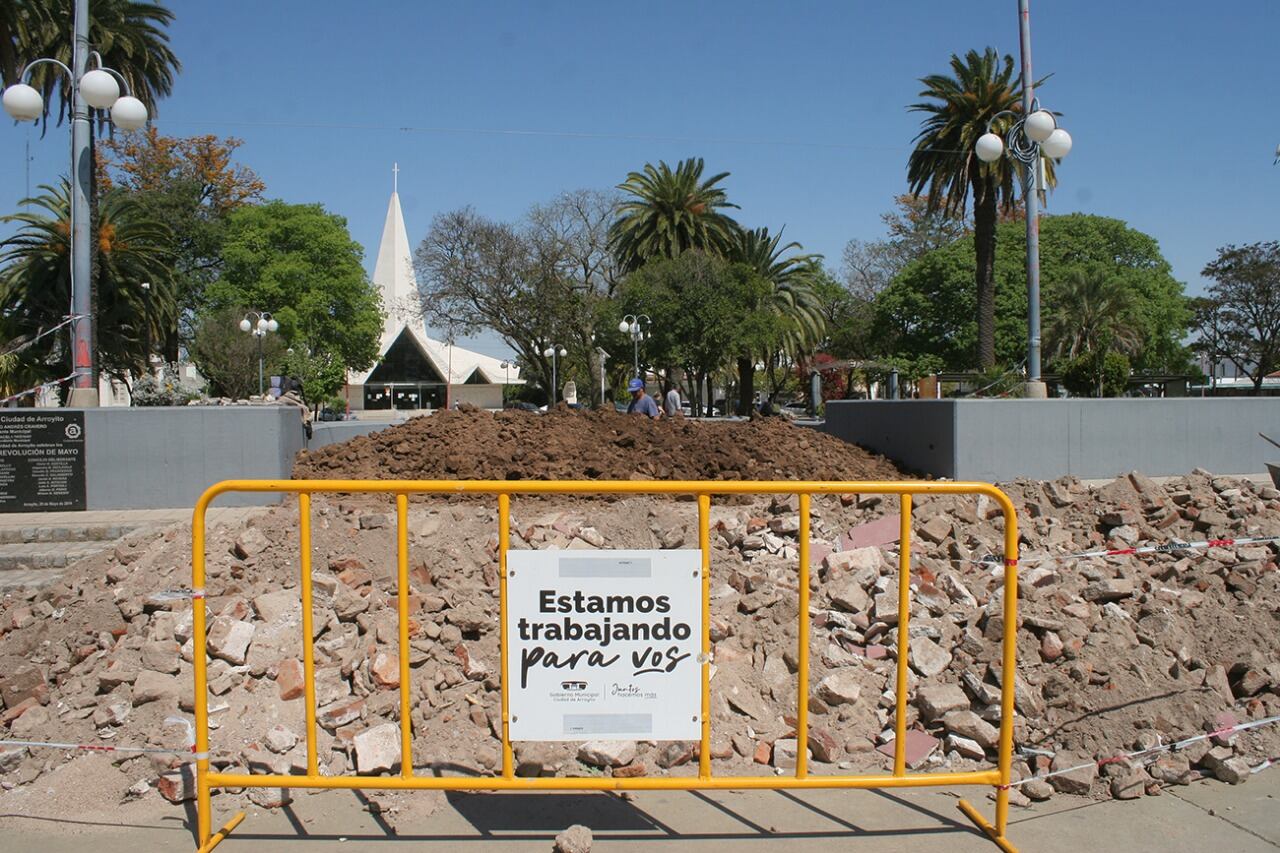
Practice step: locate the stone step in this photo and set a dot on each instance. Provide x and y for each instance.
(47, 555)
(26, 534)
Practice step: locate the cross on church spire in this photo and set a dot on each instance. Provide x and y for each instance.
(395, 177)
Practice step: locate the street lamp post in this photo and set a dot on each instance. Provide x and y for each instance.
(146, 300)
(91, 89)
(259, 328)
(552, 352)
(1031, 138)
(631, 325)
(506, 368)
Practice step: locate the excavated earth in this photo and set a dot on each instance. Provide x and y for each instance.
(469, 444)
(1114, 653)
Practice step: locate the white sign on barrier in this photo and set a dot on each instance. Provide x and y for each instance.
(604, 645)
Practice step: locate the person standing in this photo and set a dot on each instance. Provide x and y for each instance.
(671, 405)
(641, 403)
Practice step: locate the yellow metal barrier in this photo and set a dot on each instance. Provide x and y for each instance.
(998, 777)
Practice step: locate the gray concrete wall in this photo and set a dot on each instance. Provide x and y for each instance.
(146, 458)
(332, 432)
(1044, 439)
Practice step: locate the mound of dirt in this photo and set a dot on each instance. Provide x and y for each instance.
(568, 445)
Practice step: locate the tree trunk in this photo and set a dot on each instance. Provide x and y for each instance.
(746, 384)
(984, 244)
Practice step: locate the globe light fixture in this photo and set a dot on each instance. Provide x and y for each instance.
(23, 103)
(262, 324)
(1040, 124)
(1057, 145)
(554, 352)
(989, 147)
(89, 89)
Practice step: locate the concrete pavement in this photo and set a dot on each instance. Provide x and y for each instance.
(1182, 820)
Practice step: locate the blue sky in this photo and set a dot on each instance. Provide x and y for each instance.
(1172, 105)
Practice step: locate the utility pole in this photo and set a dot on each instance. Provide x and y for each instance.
(1031, 197)
(84, 392)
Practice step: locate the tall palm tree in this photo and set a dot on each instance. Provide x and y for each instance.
(20, 21)
(944, 163)
(35, 285)
(129, 36)
(1093, 311)
(669, 211)
(802, 321)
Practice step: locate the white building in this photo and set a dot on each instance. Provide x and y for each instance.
(415, 371)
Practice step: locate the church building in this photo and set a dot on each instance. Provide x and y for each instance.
(413, 370)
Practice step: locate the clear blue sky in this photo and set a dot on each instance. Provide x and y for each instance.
(1172, 105)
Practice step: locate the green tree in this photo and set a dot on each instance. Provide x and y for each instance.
(21, 22)
(929, 307)
(1100, 372)
(322, 376)
(299, 262)
(1092, 310)
(799, 323)
(704, 309)
(945, 165)
(667, 212)
(1246, 297)
(228, 358)
(35, 281)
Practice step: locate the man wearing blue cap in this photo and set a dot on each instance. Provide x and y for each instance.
(641, 403)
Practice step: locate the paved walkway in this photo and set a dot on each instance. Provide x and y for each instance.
(1207, 815)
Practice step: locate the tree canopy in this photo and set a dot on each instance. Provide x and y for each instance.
(1244, 304)
(299, 262)
(929, 307)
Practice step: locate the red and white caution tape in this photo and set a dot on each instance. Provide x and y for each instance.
(106, 747)
(177, 595)
(1156, 750)
(37, 389)
(1167, 548)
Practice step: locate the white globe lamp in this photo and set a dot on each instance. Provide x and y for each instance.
(23, 103)
(245, 325)
(1039, 125)
(1058, 145)
(128, 113)
(99, 88)
(990, 147)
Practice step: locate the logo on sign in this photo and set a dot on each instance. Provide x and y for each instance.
(72, 430)
(573, 685)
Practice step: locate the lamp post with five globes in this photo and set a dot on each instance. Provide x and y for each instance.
(259, 328)
(91, 89)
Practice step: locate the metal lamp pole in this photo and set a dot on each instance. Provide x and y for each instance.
(1034, 135)
(631, 325)
(552, 352)
(506, 368)
(146, 298)
(90, 89)
(259, 328)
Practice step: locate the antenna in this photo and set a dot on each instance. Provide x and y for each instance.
(395, 177)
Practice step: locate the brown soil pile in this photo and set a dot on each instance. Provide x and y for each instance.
(568, 445)
(1114, 653)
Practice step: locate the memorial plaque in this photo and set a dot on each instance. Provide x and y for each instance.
(41, 460)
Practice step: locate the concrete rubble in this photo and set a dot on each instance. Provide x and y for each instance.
(1114, 653)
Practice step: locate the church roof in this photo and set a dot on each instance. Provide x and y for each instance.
(393, 271)
(457, 363)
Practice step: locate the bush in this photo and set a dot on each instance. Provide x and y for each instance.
(168, 390)
(1104, 370)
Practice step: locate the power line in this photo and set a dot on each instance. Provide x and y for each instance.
(556, 134)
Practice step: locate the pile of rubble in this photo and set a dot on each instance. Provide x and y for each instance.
(1114, 653)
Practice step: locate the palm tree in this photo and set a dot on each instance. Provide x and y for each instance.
(35, 286)
(129, 36)
(1093, 311)
(669, 212)
(20, 20)
(945, 164)
(802, 322)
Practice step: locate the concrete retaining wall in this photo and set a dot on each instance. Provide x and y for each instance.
(147, 458)
(998, 440)
(333, 432)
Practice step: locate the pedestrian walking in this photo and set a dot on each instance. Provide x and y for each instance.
(641, 403)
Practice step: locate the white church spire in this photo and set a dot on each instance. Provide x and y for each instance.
(393, 271)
